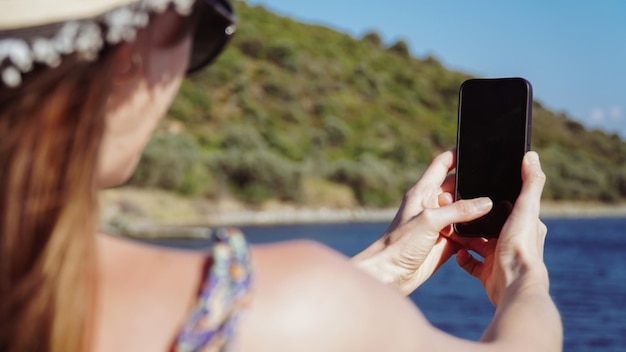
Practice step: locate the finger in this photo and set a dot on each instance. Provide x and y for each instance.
(423, 194)
(470, 264)
(481, 246)
(461, 211)
(542, 230)
(449, 249)
(445, 199)
(448, 232)
(533, 178)
(453, 151)
(433, 220)
(437, 171)
(448, 184)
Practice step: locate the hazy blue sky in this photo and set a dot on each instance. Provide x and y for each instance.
(573, 52)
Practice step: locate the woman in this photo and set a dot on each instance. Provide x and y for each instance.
(83, 86)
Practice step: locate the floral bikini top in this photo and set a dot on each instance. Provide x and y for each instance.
(212, 322)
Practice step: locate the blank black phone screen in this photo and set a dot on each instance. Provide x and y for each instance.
(493, 136)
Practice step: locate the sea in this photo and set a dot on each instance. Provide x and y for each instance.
(586, 259)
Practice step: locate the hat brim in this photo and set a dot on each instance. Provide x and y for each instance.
(28, 13)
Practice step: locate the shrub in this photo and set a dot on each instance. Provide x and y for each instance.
(620, 181)
(372, 181)
(257, 175)
(373, 37)
(172, 162)
(242, 137)
(252, 47)
(283, 54)
(336, 130)
(400, 48)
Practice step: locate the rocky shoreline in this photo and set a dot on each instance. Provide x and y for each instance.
(126, 208)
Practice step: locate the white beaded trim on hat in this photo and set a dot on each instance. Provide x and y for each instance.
(83, 37)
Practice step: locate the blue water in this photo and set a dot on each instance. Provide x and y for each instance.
(585, 257)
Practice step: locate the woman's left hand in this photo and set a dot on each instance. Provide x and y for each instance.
(412, 248)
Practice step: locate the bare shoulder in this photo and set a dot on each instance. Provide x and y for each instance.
(138, 281)
(307, 297)
(118, 251)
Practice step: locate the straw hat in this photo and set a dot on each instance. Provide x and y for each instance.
(42, 31)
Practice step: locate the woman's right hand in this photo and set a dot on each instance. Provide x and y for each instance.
(516, 257)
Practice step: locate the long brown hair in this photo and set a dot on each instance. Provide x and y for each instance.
(50, 132)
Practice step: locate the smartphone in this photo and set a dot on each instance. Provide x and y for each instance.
(493, 134)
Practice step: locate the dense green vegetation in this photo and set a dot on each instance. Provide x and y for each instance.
(288, 103)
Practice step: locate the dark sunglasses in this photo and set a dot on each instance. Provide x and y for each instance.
(215, 25)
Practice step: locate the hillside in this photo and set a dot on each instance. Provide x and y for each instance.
(304, 114)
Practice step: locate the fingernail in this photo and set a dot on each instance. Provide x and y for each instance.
(483, 203)
(532, 158)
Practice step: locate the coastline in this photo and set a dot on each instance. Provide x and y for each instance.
(553, 209)
(137, 207)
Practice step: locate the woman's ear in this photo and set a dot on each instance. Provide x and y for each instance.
(127, 64)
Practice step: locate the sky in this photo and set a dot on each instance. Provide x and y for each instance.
(573, 52)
